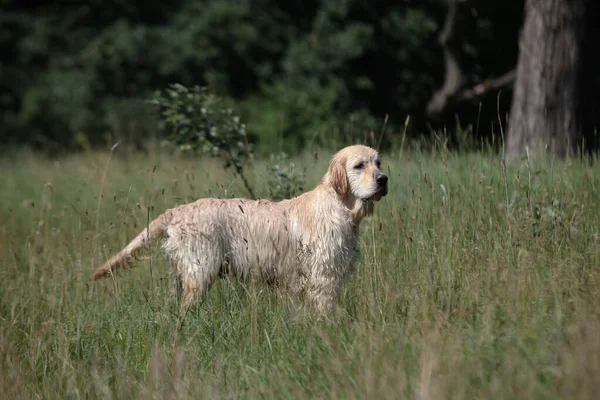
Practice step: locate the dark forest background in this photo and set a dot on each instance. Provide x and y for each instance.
(79, 73)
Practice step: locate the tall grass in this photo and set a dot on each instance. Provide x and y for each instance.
(457, 295)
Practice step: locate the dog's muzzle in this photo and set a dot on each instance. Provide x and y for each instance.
(382, 184)
(382, 188)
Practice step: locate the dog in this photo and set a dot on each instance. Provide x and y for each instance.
(308, 243)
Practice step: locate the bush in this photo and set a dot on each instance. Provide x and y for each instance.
(285, 182)
(197, 120)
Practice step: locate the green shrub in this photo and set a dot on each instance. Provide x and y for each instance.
(285, 181)
(197, 120)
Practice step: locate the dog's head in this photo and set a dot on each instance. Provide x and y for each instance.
(355, 174)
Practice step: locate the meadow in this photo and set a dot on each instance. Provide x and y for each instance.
(474, 282)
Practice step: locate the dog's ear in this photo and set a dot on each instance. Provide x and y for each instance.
(338, 178)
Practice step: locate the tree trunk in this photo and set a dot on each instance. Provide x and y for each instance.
(545, 111)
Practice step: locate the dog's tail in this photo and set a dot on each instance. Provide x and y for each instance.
(155, 230)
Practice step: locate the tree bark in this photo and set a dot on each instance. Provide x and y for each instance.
(545, 111)
(450, 40)
(454, 90)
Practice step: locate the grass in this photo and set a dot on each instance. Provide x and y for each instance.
(457, 294)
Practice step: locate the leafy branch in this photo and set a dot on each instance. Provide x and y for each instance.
(197, 120)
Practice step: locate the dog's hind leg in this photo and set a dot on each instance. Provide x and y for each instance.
(192, 287)
(191, 291)
(196, 264)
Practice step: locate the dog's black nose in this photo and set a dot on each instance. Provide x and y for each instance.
(382, 179)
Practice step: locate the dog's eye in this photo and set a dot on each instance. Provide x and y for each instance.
(378, 163)
(359, 166)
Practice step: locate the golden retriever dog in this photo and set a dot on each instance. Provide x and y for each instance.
(307, 244)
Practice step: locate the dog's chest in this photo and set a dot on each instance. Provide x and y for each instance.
(330, 247)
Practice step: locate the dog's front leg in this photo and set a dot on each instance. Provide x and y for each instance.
(323, 292)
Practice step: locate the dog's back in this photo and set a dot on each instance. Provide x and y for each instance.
(243, 236)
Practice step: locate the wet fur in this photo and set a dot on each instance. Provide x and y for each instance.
(308, 243)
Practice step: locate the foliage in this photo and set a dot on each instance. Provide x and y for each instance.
(196, 119)
(199, 121)
(285, 182)
(299, 73)
(455, 296)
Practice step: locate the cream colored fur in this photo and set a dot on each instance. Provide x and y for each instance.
(306, 243)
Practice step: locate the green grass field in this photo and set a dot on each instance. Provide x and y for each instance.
(464, 290)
